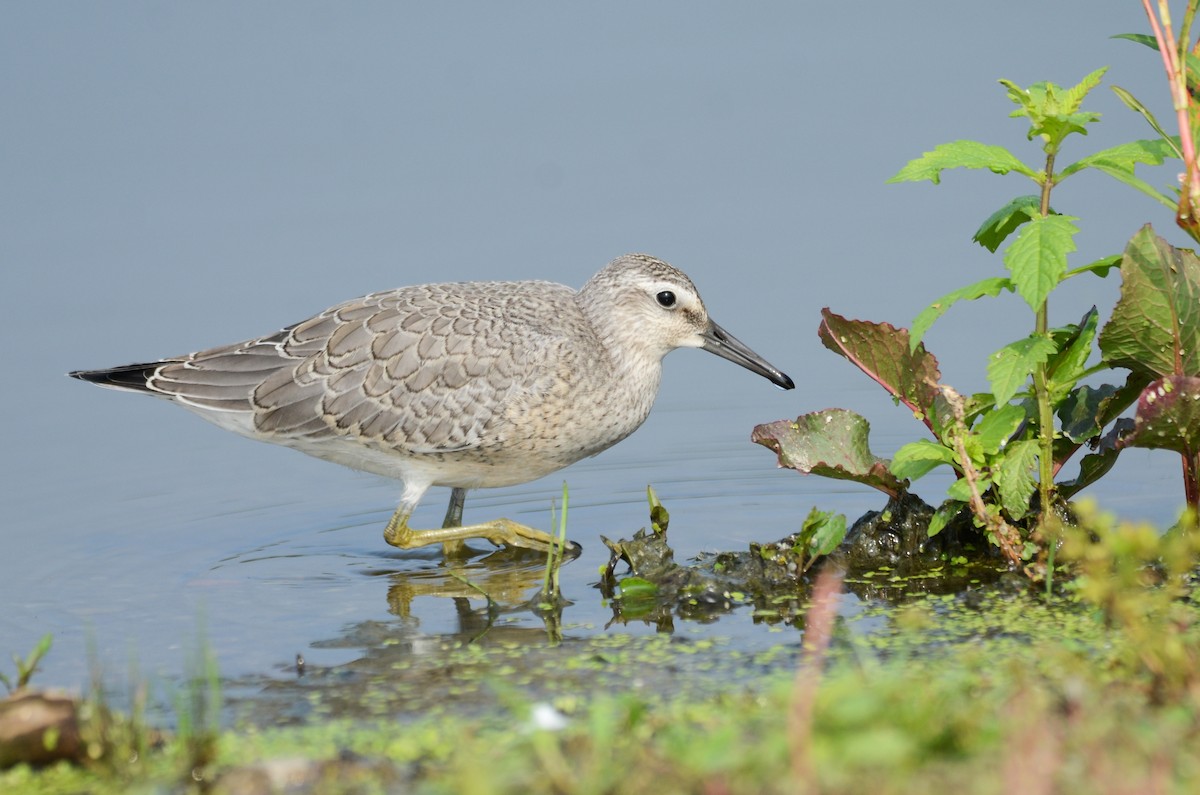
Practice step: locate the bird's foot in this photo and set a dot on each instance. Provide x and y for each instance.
(501, 532)
(505, 532)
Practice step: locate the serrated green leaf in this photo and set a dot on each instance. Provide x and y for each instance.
(1021, 97)
(960, 490)
(1076, 93)
(1005, 221)
(1014, 477)
(996, 427)
(1056, 128)
(1119, 162)
(1053, 111)
(1127, 156)
(974, 450)
(1010, 367)
(987, 287)
(1037, 259)
(961, 154)
(945, 418)
(916, 459)
(943, 515)
(1155, 326)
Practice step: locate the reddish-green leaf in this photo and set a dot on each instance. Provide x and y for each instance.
(832, 443)
(1155, 327)
(882, 351)
(1168, 416)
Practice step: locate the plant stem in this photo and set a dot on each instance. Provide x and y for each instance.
(1053, 547)
(1004, 534)
(1174, 56)
(1173, 63)
(1191, 486)
(818, 632)
(1041, 391)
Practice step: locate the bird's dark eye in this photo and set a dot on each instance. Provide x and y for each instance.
(665, 299)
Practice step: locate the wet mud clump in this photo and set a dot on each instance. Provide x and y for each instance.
(886, 554)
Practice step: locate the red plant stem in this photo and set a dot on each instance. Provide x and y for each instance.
(818, 632)
(1191, 487)
(1180, 100)
(1189, 201)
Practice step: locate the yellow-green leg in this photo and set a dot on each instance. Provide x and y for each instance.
(453, 535)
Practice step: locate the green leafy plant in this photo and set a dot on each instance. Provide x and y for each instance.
(1007, 446)
(1010, 441)
(820, 535)
(1140, 580)
(1002, 444)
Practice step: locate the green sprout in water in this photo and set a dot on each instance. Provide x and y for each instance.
(198, 711)
(551, 593)
(659, 518)
(27, 666)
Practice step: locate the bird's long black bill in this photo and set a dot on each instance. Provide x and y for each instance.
(719, 341)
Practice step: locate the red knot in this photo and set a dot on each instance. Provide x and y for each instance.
(466, 385)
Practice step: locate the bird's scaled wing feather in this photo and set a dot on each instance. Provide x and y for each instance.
(406, 369)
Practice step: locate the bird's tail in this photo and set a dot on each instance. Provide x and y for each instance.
(128, 377)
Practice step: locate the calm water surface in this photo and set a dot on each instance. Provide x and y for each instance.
(275, 555)
(336, 157)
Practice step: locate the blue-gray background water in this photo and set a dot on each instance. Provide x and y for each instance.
(175, 176)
